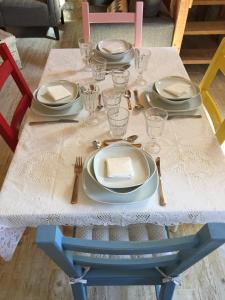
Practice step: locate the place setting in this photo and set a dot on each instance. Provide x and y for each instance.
(179, 96)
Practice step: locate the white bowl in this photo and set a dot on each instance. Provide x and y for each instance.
(102, 45)
(122, 191)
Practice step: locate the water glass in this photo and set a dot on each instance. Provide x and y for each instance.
(111, 99)
(85, 51)
(98, 68)
(89, 95)
(120, 80)
(155, 121)
(142, 57)
(118, 121)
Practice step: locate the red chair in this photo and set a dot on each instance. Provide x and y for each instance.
(10, 132)
(110, 17)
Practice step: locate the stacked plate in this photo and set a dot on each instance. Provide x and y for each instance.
(45, 104)
(99, 186)
(175, 94)
(118, 53)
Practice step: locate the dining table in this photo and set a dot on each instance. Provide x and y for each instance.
(38, 185)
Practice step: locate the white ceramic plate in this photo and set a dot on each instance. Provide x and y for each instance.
(54, 107)
(100, 194)
(139, 162)
(182, 107)
(41, 110)
(191, 91)
(43, 97)
(172, 102)
(89, 167)
(113, 48)
(125, 60)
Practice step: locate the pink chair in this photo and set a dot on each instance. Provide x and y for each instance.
(108, 17)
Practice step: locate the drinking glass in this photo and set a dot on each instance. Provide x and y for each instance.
(111, 99)
(85, 51)
(120, 80)
(118, 121)
(98, 68)
(89, 95)
(155, 120)
(142, 57)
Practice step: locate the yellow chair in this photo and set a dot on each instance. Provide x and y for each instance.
(217, 63)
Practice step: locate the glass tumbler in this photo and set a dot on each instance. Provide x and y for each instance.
(120, 80)
(118, 121)
(89, 95)
(86, 52)
(111, 99)
(98, 68)
(155, 120)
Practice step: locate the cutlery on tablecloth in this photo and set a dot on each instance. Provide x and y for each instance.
(53, 122)
(162, 201)
(78, 167)
(138, 105)
(127, 95)
(99, 106)
(177, 116)
(148, 100)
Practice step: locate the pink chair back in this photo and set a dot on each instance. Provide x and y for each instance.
(109, 17)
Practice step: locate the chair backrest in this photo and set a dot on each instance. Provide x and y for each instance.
(155, 270)
(9, 132)
(217, 63)
(111, 17)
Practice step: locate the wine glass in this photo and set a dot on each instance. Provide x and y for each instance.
(142, 57)
(86, 52)
(155, 120)
(89, 95)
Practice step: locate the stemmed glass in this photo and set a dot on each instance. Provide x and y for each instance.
(142, 57)
(86, 52)
(89, 95)
(155, 121)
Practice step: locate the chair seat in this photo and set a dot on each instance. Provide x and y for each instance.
(137, 232)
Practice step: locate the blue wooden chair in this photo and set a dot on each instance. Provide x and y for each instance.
(146, 262)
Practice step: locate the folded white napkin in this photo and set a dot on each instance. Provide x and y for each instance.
(119, 167)
(178, 89)
(58, 92)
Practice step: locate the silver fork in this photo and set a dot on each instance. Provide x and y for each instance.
(77, 170)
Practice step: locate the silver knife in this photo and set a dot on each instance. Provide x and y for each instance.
(53, 121)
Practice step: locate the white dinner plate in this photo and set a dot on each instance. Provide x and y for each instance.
(139, 163)
(43, 97)
(194, 104)
(111, 63)
(192, 90)
(169, 101)
(100, 194)
(112, 47)
(41, 110)
(90, 168)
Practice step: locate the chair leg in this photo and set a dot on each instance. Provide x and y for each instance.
(62, 17)
(166, 291)
(56, 31)
(79, 291)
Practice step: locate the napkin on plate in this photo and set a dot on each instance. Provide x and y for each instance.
(119, 167)
(58, 92)
(177, 89)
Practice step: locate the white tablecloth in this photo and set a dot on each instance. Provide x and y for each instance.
(38, 185)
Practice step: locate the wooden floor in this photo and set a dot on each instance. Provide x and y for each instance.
(30, 275)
